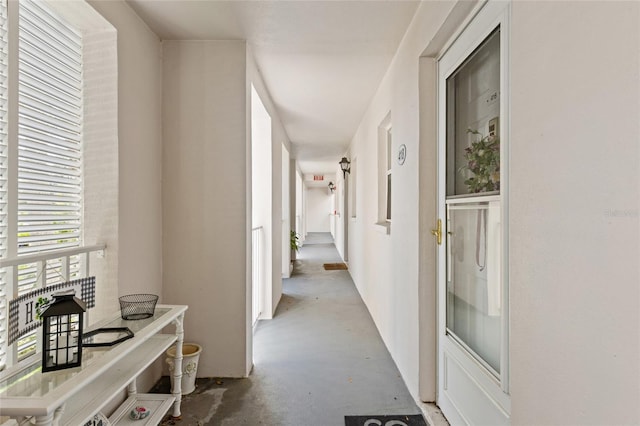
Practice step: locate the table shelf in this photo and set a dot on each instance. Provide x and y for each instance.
(72, 397)
(158, 404)
(94, 396)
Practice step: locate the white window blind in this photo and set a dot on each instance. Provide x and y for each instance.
(3, 178)
(49, 144)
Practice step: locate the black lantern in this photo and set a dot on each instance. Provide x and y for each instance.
(62, 332)
(332, 187)
(344, 165)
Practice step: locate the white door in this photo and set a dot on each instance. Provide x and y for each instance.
(472, 198)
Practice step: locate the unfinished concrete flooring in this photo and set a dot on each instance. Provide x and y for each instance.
(320, 358)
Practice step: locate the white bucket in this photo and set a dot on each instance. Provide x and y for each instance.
(190, 358)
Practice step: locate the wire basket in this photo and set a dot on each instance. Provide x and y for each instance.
(137, 306)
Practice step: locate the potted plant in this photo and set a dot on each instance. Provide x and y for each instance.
(483, 160)
(294, 242)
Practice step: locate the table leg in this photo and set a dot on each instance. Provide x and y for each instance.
(132, 389)
(46, 420)
(57, 415)
(176, 390)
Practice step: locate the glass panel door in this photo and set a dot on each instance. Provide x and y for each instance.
(473, 205)
(473, 279)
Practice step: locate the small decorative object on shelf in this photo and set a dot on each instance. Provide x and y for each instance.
(137, 306)
(483, 160)
(62, 332)
(99, 419)
(139, 413)
(106, 336)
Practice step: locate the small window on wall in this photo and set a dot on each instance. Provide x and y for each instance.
(388, 178)
(385, 141)
(353, 179)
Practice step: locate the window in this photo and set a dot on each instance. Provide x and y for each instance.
(388, 174)
(49, 152)
(353, 180)
(49, 132)
(385, 147)
(474, 206)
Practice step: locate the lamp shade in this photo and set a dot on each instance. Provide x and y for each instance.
(344, 165)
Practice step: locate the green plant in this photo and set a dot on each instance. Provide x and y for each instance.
(483, 160)
(294, 241)
(41, 305)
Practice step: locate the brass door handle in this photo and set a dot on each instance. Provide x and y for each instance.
(438, 232)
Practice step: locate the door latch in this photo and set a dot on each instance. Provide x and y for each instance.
(438, 232)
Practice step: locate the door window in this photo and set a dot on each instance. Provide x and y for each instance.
(473, 205)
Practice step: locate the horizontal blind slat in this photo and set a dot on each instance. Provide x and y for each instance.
(30, 134)
(41, 16)
(54, 149)
(36, 186)
(44, 127)
(27, 86)
(52, 180)
(54, 165)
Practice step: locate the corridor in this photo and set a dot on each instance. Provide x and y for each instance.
(320, 358)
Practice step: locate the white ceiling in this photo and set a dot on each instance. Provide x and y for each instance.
(321, 60)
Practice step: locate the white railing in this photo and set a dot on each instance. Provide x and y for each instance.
(42, 258)
(257, 272)
(62, 259)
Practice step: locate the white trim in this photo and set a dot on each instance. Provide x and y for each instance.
(461, 29)
(52, 254)
(505, 131)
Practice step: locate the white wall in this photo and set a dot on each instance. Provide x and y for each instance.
(574, 228)
(286, 214)
(574, 206)
(385, 266)
(206, 200)
(138, 152)
(343, 214)
(318, 208)
(301, 220)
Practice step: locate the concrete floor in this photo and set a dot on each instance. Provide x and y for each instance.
(320, 358)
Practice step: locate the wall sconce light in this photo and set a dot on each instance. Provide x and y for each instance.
(344, 165)
(332, 187)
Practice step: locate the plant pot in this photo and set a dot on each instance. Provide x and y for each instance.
(190, 358)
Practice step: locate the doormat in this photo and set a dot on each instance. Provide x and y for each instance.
(334, 266)
(397, 420)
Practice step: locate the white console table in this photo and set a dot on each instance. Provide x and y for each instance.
(72, 397)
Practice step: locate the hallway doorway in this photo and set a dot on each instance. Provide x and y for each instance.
(261, 209)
